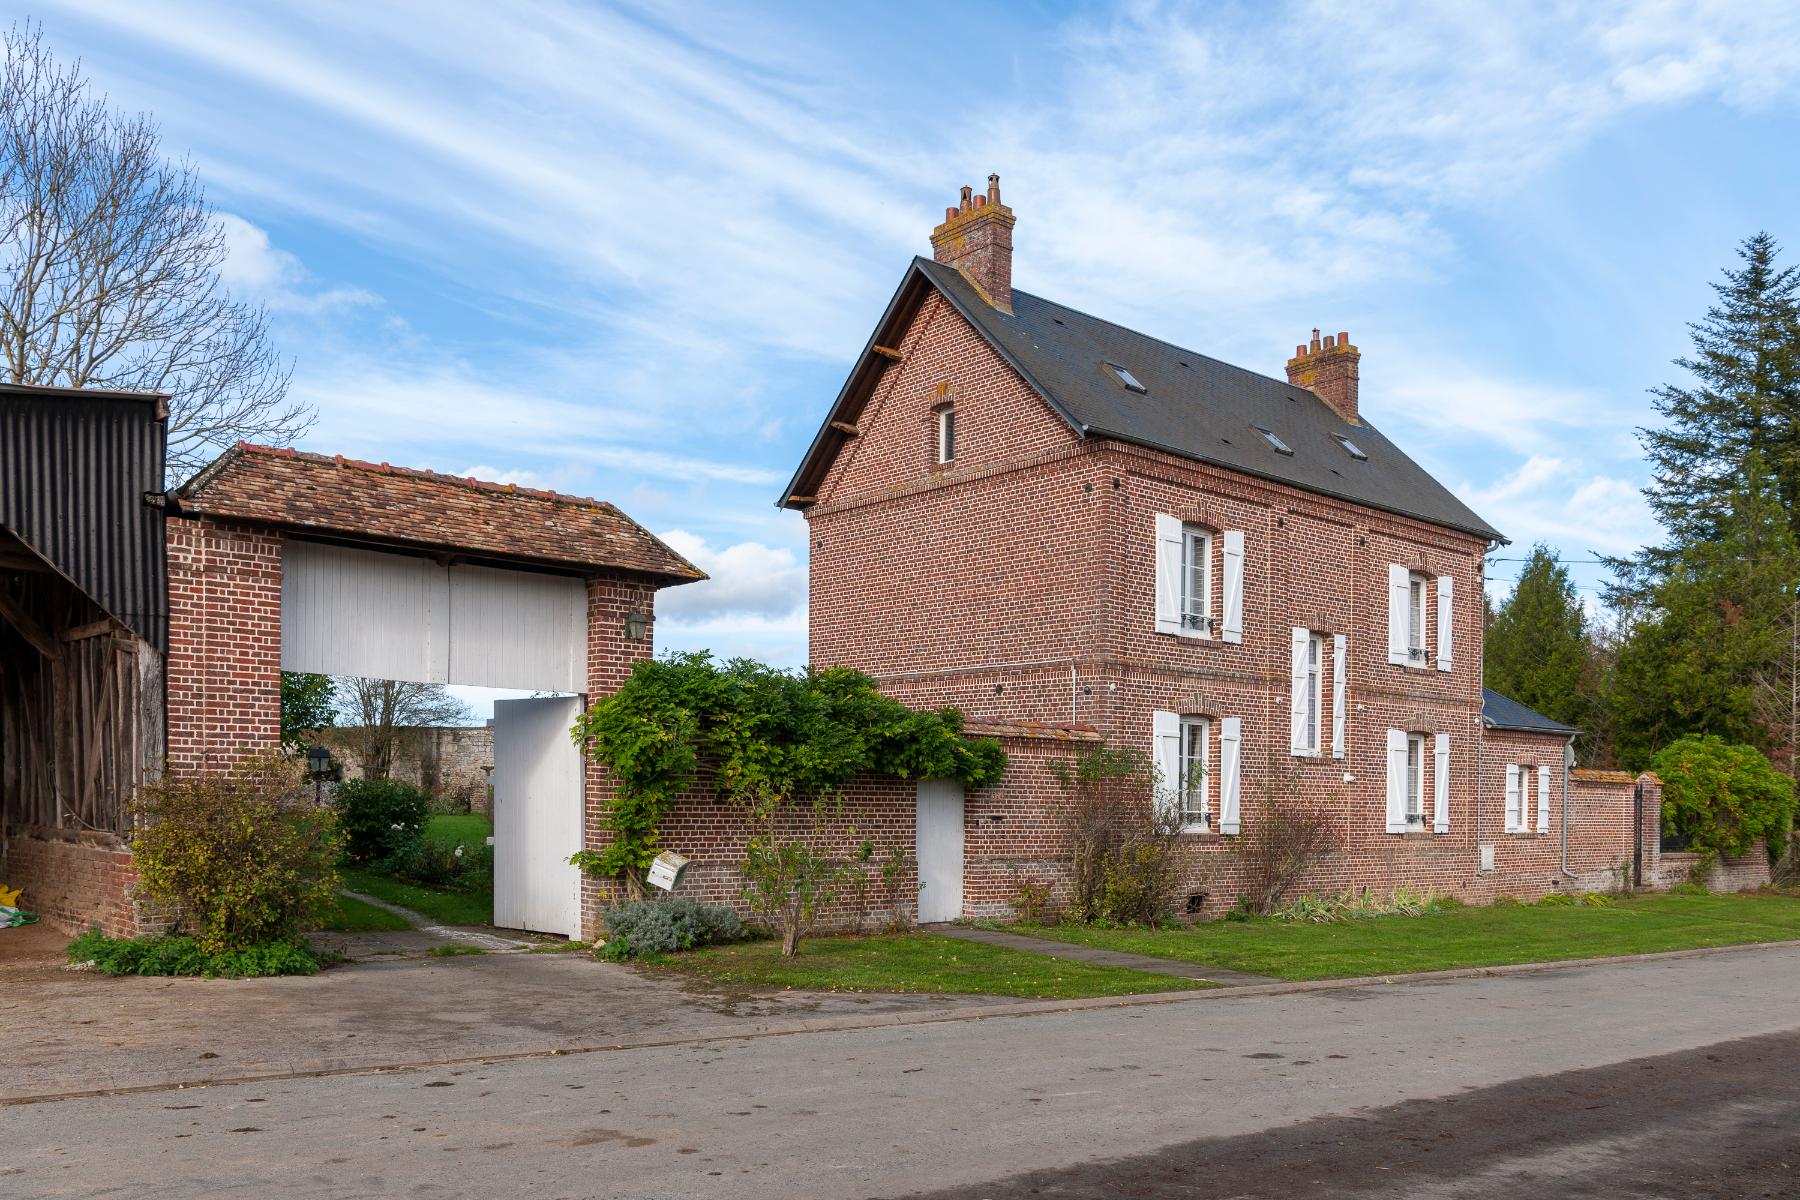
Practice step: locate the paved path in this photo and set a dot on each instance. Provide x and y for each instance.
(422, 936)
(1546, 1077)
(1223, 976)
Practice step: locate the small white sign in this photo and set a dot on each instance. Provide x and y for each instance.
(666, 871)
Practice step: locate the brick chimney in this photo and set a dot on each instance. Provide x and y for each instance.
(976, 239)
(1328, 369)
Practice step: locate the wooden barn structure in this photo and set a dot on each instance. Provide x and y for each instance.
(83, 635)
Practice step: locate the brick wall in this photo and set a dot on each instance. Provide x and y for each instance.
(74, 881)
(611, 655)
(1731, 873)
(224, 664)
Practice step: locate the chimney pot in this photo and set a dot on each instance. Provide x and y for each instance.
(980, 201)
(950, 213)
(965, 197)
(993, 189)
(1333, 378)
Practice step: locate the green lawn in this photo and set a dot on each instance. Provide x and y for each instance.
(452, 829)
(353, 916)
(449, 908)
(910, 962)
(1464, 937)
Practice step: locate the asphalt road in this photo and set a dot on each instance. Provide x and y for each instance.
(1667, 1078)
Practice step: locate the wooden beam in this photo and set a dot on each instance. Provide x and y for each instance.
(799, 499)
(91, 629)
(14, 559)
(887, 352)
(29, 629)
(845, 427)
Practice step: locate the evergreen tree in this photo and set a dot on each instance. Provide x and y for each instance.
(1745, 402)
(1716, 620)
(1536, 651)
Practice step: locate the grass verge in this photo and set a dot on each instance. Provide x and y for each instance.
(349, 915)
(1463, 937)
(458, 829)
(909, 962)
(448, 908)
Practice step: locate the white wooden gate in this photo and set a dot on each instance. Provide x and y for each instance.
(940, 850)
(537, 815)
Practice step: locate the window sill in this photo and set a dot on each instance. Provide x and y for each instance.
(1189, 635)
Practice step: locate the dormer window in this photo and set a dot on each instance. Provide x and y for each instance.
(1351, 448)
(946, 435)
(1275, 443)
(1127, 378)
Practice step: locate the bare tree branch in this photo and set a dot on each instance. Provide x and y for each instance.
(376, 715)
(109, 267)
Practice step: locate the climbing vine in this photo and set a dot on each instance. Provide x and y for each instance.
(772, 738)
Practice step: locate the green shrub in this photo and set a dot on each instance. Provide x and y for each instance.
(238, 859)
(1558, 900)
(1596, 899)
(1128, 860)
(1505, 901)
(160, 954)
(1721, 797)
(1353, 906)
(1688, 889)
(383, 820)
(640, 927)
(460, 868)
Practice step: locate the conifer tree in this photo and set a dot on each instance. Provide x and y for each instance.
(1745, 402)
(1536, 650)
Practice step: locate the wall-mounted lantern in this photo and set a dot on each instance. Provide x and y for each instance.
(318, 764)
(637, 623)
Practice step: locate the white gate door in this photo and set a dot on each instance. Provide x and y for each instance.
(537, 815)
(940, 850)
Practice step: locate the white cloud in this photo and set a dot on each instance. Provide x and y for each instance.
(255, 267)
(1565, 503)
(526, 479)
(746, 580)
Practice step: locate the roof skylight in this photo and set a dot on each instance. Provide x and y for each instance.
(1275, 443)
(1127, 378)
(1351, 448)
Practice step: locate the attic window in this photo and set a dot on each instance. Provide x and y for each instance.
(1351, 448)
(1275, 443)
(1126, 378)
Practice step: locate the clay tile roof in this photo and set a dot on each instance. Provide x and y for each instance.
(401, 506)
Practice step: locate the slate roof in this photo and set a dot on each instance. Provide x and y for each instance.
(374, 502)
(1499, 712)
(1194, 406)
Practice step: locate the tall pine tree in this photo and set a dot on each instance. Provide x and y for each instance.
(1536, 650)
(1745, 403)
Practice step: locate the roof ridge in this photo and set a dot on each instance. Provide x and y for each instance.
(383, 468)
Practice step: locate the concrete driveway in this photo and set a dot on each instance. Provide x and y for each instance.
(69, 1032)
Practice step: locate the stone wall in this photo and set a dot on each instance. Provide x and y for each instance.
(1729, 874)
(450, 762)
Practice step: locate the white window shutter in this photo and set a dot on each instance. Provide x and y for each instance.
(1512, 798)
(1340, 645)
(1396, 781)
(1399, 604)
(1165, 752)
(1543, 800)
(1440, 810)
(1446, 619)
(1230, 773)
(1168, 574)
(1301, 640)
(1233, 623)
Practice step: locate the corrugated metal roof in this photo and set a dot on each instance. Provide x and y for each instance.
(1191, 405)
(1501, 712)
(76, 468)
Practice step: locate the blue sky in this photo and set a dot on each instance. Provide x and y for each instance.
(630, 250)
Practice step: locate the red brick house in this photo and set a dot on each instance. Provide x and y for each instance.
(1040, 516)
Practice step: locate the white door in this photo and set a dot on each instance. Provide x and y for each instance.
(940, 850)
(537, 815)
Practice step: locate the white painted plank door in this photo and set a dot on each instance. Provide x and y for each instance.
(940, 850)
(537, 815)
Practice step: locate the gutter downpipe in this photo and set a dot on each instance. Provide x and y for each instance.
(1568, 761)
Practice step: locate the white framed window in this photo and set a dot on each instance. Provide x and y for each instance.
(1306, 696)
(1196, 580)
(1415, 618)
(1527, 798)
(946, 435)
(1415, 779)
(1196, 735)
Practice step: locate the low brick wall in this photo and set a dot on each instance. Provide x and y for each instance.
(74, 881)
(1730, 874)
